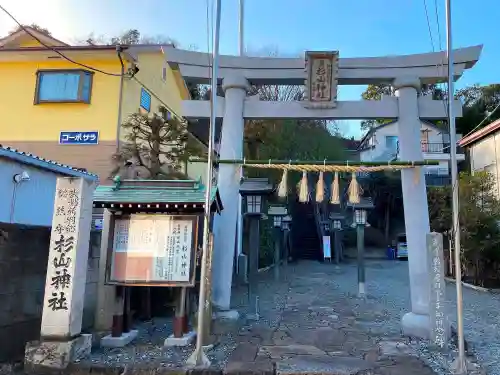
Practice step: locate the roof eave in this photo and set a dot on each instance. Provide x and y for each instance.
(46, 165)
(480, 134)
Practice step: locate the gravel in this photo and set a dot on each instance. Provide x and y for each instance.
(388, 294)
(389, 282)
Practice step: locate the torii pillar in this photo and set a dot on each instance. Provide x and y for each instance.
(231, 147)
(416, 212)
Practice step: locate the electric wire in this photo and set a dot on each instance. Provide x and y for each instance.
(429, 25)
(54, 49)
(132, 76)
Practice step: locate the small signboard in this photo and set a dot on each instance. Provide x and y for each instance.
(327, 250)
(78, 138)
(153, 249)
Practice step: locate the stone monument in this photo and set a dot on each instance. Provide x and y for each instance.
(61, 340)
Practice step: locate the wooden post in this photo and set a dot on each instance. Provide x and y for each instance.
(127, 315)
(185, 327)
(117, 326)
(180, 313)
(146, 303)
(105, 293)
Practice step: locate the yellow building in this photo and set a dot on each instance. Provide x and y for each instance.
(67, 103)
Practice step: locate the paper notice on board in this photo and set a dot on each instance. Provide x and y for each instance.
(152, 248)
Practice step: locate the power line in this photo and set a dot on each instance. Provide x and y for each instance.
(482, 122)
(438, 65)
(53, 49)
(438, 24)
(429, 25)
(87, 66)
(157, 97)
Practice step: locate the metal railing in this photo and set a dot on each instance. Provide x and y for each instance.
(438, 148)
(437, 180)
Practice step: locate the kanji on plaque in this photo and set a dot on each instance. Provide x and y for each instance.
(321, 81)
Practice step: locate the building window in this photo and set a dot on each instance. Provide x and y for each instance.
(63, 86)
(165, 113)
(145, 100)
(164, 74)
(391, 142)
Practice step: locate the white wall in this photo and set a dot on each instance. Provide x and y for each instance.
(197, 170)
(380, 151)
(484, 156)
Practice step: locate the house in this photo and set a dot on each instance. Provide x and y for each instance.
(483, 148)
(67, 103)
(28, 187)
(381, 144)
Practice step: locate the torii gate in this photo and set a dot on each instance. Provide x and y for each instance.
(405, 73)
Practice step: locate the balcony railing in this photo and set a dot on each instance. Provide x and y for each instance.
(435, 148)
(437, 180)
(438, 148)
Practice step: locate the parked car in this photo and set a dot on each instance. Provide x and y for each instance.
(401, 247)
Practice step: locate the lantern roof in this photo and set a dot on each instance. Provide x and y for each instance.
(255, 186)
(364, 203)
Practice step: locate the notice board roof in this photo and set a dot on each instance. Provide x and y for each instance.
(155, 193)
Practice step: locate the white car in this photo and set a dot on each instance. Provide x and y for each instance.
(401, 247)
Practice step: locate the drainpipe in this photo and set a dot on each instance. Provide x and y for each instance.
(119, 50)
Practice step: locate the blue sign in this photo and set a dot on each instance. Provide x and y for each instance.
(79, 138)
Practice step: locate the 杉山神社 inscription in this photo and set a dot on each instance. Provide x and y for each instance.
(68, 253)
(321, 81)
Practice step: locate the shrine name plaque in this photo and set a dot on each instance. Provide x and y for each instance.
(153, 250)
(321, 79)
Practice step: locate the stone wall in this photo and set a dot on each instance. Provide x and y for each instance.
(23, 265)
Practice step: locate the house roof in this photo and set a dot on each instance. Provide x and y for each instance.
(155, 192)
(480, 134)
(10, 44)
(374, 129)
(30, 31)
(39, 162)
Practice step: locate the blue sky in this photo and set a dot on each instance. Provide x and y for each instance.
(357, 28)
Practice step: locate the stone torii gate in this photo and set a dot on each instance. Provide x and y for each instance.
(405, 73)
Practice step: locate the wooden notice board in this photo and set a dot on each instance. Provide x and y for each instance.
(153, 250)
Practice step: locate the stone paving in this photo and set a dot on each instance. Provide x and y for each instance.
(311, 322)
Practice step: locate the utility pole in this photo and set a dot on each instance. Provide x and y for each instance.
(198, 358)
(460, 365)
(360, 232)
(239, 221)
(241, 45)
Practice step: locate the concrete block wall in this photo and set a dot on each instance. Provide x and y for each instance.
(23, 267)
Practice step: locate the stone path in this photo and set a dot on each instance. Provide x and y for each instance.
(311, 323)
